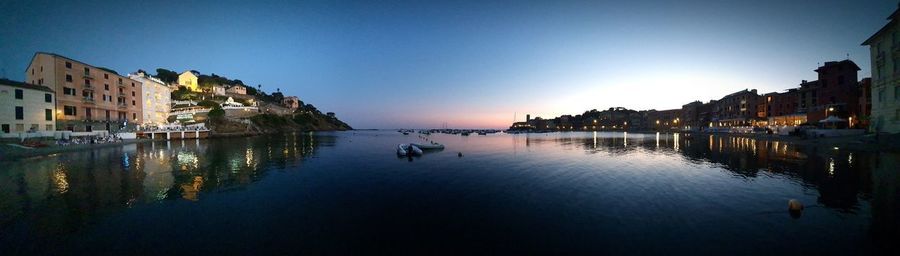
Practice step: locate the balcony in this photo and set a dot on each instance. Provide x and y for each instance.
(122, 105)
(88, 100)
(88, 76)
(88, 87)
(120, 84)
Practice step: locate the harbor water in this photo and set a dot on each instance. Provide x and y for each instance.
(549, 193)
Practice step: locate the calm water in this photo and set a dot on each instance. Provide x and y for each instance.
(348, 192)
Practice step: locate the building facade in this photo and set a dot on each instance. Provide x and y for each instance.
(291, 102)
(780, 109)
(157, 99)
(737, 109)
(189, 80)
(884, 47)
(88, 98)
(237, 89)
(835, 93)
(218, 90)
(26, 107)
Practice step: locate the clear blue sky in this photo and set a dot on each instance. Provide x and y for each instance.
(385, 64)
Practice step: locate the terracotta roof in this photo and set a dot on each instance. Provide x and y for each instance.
(25, 85)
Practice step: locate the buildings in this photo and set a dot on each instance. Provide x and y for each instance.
(664, 119)
(237, 89)
(26, 107)
(780, 109)
(865, 104)
(88, 98)
(291, 102)
(736, 109)
(218, 90)
(157, 99)
(884, 47)
(835, 93)
(690, 116)
(188, 79)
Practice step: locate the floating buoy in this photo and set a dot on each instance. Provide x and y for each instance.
(795, 208)
(459, 154)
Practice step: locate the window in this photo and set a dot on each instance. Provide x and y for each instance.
(106, 87)
(48, 114)
(48, 97)
(105, 76)
(107, 115)
(20, 113)
(87, 82)
(70, 110)
(19, 93)
(68, 78)
(32, 71)
(132, 93)
(69, 91)
(134, 115)
(34, 127)
(68, 64)
(133, 103)
(132, 84)
(5, 128)
(49, 127)
(20, 127)
(87, 71)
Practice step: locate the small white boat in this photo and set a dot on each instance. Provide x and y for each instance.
(429, 146)
(406, 149)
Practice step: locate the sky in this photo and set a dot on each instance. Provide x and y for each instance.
(469, 64)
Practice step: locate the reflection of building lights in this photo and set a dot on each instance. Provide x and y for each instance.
(831, 167)
(60, 180)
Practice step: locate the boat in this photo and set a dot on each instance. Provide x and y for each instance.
(406, 149)
(433, 145)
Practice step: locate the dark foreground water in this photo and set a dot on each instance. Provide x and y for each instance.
(348, 193)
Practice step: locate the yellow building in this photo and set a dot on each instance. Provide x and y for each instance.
(189, 80)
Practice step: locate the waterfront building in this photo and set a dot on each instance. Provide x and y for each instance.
(89, 98)
(835, 93)
(737, 109)
(291, 102)
(665, 119)
(188, 79)
(780, 109)
(26, 107)
(237, 89)
(690, 116)
(865, 104)
(884, 47)
(157, 99)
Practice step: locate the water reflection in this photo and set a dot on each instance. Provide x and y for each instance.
(842, 178)
(58, 194)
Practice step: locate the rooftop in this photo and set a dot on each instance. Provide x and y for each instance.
(25, 85)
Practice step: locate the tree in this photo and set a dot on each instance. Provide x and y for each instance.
(166, 75)
(217, 114)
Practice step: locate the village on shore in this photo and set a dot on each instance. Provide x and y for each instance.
(64, 101)
(836, 104)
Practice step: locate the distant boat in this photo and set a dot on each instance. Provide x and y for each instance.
(464, 133)
(405, 133)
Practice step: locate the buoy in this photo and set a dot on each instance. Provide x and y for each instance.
(459, 154)
(795, 208)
